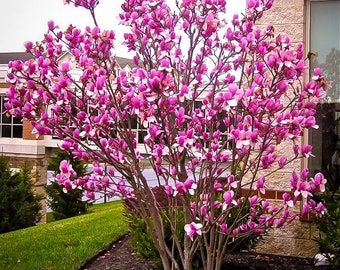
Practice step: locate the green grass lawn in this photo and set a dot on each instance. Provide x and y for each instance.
(64, 244)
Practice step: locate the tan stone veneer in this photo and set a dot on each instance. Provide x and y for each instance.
(294, 239)
(38, 168)
(288, 18)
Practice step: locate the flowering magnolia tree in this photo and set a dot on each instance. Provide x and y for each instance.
(215, 99)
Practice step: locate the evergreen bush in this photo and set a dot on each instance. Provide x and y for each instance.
(70, 203)
(19, 205)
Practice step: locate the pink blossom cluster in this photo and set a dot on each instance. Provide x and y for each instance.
(181, 188)
(66, 175)
(89, 4)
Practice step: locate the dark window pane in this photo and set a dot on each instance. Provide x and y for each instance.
(17, 120)
(5, 118)
(198, 104)
(221, 116)
(327, 153)
(141, 135)
(134, 123)
(6, 131)
(17, 131)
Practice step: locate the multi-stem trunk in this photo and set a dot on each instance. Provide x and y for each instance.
(157, 233)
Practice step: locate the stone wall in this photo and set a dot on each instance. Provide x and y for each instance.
(287, 17)
(38, 168)
(296, 239)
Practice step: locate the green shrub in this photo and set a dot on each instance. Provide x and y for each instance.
(329, 228)
(141, 238)
(19, 205)
(65, 205)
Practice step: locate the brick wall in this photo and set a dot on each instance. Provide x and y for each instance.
(27, 132)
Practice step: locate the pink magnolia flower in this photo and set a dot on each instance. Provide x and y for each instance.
(243, 227)
(235, 232)
(254, 200)
(66, 169)
(181, 188)
(228, 197)
(265, 205)
(294, 180)
(28, 45)
(303, 189)
(260, 185)
(304, 174)
(190, 186)
(282, 162)
(90, 194)
(65, 66)
(232, 182)
(280, 222)
(224, 228)
(305, 208)
(192, 229)
(168, 190)
(306, 151)
(320, 181)
(320, 208)
(287, 199)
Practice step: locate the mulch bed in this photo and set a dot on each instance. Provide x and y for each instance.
(120, 256)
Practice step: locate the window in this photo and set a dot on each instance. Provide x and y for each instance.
(325, 49)
(10, 127)
(138, 130)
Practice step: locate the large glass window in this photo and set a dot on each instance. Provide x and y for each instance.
(325, 53)
(10, 127)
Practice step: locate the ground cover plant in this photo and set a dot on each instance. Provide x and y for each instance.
(214, 102)
(64, 244)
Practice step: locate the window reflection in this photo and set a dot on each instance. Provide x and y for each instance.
(325, 51)
(326, 143)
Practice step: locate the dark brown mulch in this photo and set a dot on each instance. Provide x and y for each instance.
(120, 256)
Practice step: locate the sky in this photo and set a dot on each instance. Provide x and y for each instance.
(26, 20)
